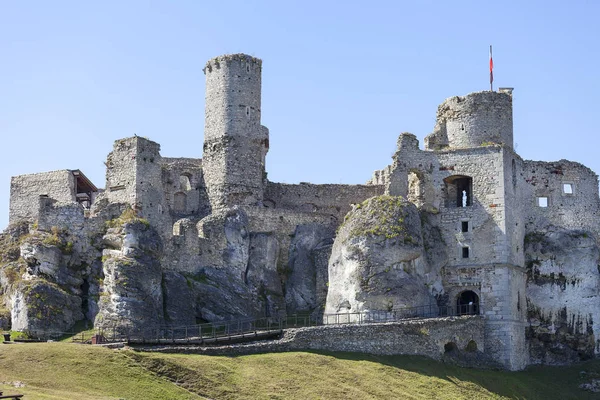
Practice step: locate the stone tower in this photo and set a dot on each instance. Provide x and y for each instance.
(133, 176)
(472, 120)
(235, 143)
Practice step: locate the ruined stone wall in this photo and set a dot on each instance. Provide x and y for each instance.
(134, 176)
(66, 216)
(424, 337)
(184, 187)
(334, 200)
(501, 291)
(25, 192)
(493, 265)
(486, 235)
(504, 305)
(473, 120)
(121, 170)
(421, 337)
(149, 192)
(577, 210)
(235, 144)
(517, 207)
(432, 188)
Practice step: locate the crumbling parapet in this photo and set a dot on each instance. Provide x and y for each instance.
(473, 120)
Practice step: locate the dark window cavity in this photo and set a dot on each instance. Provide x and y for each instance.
(465, 252)
(464, 226)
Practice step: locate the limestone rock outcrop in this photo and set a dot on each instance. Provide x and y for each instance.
(377, 258)
(563, 295)
(41, 307)
(39, 286)
(132, 296)
(309, 251)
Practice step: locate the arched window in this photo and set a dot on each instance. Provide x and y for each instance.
(184, 183)
(467, 303)
(459, 190)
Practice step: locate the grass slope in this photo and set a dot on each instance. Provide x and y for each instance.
(68, 371)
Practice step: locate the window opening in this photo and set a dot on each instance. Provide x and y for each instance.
(567, 188)
(459, 191)
(184, 183)
(465, 226)
(415, 189)
(514, 173)
(465, 252)
(467, 303)
(542, 201)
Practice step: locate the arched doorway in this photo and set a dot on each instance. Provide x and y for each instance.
(467, 303)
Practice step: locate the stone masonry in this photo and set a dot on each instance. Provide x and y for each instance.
(464, 225)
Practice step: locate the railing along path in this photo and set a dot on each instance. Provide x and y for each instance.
(245, 329)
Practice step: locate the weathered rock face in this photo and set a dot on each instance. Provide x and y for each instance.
(563, 295)
(262, 275)
(307, 266)
(40, 285)
(132, 298)
(178, 300)
(40, 307)
(377, 258)
(236, 275)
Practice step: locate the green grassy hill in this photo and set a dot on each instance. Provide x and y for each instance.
(72, 371)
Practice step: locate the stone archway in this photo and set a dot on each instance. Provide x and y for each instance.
(467, 303)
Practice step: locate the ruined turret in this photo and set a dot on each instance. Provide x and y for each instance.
(473, 120)
(235, 143)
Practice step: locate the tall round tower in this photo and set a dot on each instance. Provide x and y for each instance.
(235, 143)
(472, 120)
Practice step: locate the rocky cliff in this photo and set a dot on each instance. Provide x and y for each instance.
(563, 295)
(378, 259)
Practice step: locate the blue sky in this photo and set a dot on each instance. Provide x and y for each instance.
(341, 80)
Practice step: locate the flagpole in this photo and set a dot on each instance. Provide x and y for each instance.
(491, 71)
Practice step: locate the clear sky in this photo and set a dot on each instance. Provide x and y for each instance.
(341, 79)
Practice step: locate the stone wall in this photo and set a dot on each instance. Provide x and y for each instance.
(577, 210)
(427, 337)
(184, 187)
(121, 172)
(422, 337)
(432, 187)
(25, 192)
(66, 216)
(327, 199)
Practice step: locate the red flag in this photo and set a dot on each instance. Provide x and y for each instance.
(491, 68)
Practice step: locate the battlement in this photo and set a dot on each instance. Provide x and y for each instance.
(229, 58)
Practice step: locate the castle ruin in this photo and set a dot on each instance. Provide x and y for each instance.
(464, 222)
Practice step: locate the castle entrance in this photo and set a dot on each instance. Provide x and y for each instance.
(467, 303)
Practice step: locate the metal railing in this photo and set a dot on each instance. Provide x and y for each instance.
(251, 328)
